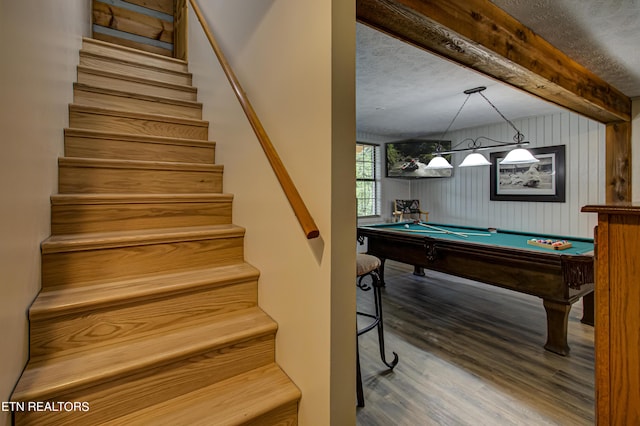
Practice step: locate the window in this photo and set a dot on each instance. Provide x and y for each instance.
(367, 179)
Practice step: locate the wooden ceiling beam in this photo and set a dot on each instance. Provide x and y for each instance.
(479, 35)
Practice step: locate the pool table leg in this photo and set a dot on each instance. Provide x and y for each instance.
(381, 271)
(587, 309)
(557, 326)
(417, 270)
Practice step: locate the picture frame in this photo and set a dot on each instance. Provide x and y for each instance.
(543, 181)
(408, 159)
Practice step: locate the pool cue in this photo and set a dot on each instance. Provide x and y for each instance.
(423, 231)
(443, 230)
(427, 231)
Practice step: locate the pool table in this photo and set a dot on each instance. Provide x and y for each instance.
(497, 257)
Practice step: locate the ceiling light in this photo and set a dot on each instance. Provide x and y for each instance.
(518, 155)
(439, 162)
(475, 159)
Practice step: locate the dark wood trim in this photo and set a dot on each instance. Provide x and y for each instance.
(180, 30)
(617, 314)
(479, 35)
(620, 208)
(618, 162)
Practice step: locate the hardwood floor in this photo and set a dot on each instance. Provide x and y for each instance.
(471, 354)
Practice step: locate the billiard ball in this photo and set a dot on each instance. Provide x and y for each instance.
(406, 226)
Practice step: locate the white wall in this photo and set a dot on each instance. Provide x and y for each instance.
(464, 198)
(295, 60)
(40, 43)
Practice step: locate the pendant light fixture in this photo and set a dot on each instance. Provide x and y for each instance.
(518, 155)
(438, 162)
(475, 159)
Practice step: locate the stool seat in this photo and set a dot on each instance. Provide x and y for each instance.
(368, 268)
(365, 263)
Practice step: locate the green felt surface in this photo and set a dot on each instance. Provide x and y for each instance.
(503, 238)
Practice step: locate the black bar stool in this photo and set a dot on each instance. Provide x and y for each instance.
(368, 266)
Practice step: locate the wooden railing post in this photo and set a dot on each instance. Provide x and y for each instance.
(297, 204)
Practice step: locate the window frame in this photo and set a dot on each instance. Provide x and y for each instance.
(375, 179)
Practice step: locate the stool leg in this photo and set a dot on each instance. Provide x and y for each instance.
(377, 296)
(359, 391)
(376, 286)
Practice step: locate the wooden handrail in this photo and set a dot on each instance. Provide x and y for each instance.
(299, 208)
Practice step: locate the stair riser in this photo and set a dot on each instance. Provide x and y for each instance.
(79, 268)
(136, 126)
(141, 88)
(286, 415)
(110, 400)
(80, 218)
(104, 100)
(132, 44)
(97, 327)
(84, 180)
(133, 56)
(116, 149)
(114, 65)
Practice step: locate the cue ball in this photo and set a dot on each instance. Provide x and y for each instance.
(407, 226)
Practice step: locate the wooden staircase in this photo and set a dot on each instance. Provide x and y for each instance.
(148, 311)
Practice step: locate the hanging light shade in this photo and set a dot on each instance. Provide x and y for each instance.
(439, 162)
(475, 159)
(519, 156)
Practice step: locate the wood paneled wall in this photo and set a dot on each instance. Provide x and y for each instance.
(145, 25)
(464, 198)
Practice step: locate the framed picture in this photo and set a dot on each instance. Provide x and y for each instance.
(409, 159)
(542, 181)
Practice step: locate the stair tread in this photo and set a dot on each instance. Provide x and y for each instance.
(72, 131)
(136, 164)
(64, 199)
(230, 402)
(101, 240)
(87, 53)
(148, 81)
(141, 53)
(56, 302)
(196, 323)
(122, 93)
(56, 376)
(137, 115)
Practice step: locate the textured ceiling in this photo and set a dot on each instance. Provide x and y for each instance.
(601, 35)
(404, 92)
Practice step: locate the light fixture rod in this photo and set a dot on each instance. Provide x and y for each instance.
(518, 136)
(479, 147)
(515, 156)
(474, 144)
(454, 117)
(475, 90)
